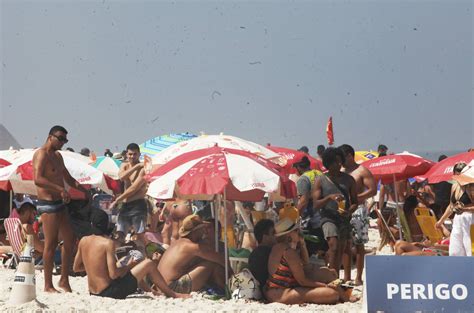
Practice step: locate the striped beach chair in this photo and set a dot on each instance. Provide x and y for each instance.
(15, 236)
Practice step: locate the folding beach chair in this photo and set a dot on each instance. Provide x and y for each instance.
(427, 224)
(386, 234)
(406, 232)
(15, 236)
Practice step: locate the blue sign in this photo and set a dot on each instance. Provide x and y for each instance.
(419, 284)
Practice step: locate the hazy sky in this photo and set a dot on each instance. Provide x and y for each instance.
(114, 72)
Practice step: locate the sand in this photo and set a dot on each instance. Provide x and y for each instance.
(81, 301)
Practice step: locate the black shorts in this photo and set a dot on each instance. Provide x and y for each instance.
(120, 288)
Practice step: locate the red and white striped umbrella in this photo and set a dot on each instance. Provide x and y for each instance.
(4, 163)
(292, 156)
(443, 170)
(209, 141)
(19, 175)
(201, 174)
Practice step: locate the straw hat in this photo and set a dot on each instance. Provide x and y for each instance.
(190, 224)
(285, 226)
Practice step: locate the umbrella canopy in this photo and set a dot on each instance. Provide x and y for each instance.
(4, 163)
(108, 165)
(203, 173)
(209, 141)
(362, 156)
(397, 166)
(158, 144)
(19, 175)
(292, 156)
(443, 170)
(467, 175)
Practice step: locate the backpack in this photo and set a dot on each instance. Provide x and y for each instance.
(244, 285)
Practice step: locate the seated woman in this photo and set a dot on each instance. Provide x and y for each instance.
(288, 282)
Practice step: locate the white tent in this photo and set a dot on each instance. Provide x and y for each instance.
(7, 140)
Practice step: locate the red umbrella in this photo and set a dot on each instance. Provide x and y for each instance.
(292, 156)
(392, 168)
(443, 171)
(397, 167)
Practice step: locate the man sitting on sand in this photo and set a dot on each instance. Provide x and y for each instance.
(190, 263)
(96, 256)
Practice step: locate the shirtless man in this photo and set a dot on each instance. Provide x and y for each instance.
(134, 206)
(190, 263)
(335, 195)
(96, 256)
(366, 188)
(50, 176)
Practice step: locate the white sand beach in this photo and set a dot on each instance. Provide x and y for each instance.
(81, 301)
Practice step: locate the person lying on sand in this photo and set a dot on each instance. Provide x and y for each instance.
(426, 248)
(96, 256)
(190, 263)
(288, 282)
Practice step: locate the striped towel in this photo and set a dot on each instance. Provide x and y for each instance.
(15, 234)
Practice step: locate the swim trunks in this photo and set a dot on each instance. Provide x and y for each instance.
(182, 285)
(46, 206)
(120, 288)
(360, 225)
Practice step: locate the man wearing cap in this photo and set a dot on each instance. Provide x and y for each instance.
(96, 256)
(304, 184)
(190, 263)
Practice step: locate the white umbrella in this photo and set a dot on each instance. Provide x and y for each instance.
(20, 174)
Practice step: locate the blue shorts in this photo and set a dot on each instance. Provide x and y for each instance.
(45, 206)
(134, 214)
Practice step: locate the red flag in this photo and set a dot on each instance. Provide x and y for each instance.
(329, 132)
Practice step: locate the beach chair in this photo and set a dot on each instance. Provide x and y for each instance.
(386, 234)
(15, 236)
(427, 224)
(406, 232)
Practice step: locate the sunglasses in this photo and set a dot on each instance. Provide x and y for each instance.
(61, 138)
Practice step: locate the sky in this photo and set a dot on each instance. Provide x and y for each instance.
(115, 72)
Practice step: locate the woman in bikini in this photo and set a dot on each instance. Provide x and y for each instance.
(288, 282)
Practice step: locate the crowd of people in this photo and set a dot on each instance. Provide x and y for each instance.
(170, 246)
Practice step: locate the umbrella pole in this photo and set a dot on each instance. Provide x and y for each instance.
(11, 201)
(399, 224)
(226, 256)
(214, 207)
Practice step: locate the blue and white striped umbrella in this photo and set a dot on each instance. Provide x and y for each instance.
(157, 144)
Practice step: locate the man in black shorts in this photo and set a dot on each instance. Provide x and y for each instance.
(335, 194)
(96, 256)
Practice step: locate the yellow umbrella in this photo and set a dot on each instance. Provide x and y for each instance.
(362, 156)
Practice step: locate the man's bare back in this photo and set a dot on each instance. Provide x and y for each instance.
(94, 251)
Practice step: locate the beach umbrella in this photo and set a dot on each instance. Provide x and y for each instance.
(158, 144)
(4, 163)
(108, 165)
(395, 167)
(292, 156)
(467, 175)
(209, 141)
(230, 173)
(19, 175)
(362, 156)
(443, 170)
(201, 174)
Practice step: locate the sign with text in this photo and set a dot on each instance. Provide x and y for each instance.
(419, 283)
